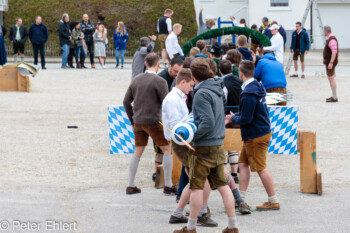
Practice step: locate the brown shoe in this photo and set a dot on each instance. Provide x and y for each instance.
(174, 220)
(170, 190)
(244, 208)
(303, 76)
(184, 230)
(92, 66)
(294, 76)
(268, 206)
(206, 221)
(234, 230)
(133, 190)
(331, 100)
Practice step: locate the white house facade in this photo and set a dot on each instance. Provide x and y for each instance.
(334, 13)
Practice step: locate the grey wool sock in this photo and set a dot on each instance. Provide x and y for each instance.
(334, 92)
(232, 223)
(134, 163)
(191, 224)
(168, 169)
(203, 210)
(237, 197)
(178, 212)
(22, 59)
(15, 58)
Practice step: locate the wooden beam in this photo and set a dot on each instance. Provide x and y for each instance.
(233, 140)
(308, 166)
(319, 181)
(159, 183)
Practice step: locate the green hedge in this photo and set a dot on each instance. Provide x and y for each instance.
(139, 16)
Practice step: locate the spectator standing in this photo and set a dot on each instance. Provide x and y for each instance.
(18, 36)
(164, 28)
(138, 61)
(204, 27)
(100, 39)
(71, 54)
(88, 29)
(38, 35)
(120, 38)
(271, 74)
(276, 43)
(65, 36)
(254, 44)
(300, 47)
(78, 37)
(330, 59)
(281, 30)
(172, 44)
(217, 52)
(242, 48)
(235, 57)
(3, 57)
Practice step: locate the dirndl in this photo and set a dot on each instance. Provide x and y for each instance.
(3, 57)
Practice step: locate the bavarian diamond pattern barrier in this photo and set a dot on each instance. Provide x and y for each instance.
(121, 133)
(284, 125)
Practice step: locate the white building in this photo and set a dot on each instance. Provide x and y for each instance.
(334, 13)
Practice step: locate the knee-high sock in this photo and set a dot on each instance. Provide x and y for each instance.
(168, 169)
(134, 163)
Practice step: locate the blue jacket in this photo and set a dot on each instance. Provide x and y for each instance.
(271, 72)
(246, 53)
(304, 42)
(38, 34)
(253, 116)
(120, 40)
(283, 33)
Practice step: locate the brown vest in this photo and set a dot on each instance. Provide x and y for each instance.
(327, 52)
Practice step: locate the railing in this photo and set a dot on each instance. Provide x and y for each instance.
(54, 50)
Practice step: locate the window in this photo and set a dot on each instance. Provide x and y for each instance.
(279, 3)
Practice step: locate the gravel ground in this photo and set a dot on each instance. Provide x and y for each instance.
(50, 172)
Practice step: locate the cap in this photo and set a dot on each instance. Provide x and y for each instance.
(216, 50)
(274, 26)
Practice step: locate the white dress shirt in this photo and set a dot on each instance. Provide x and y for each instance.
(172, 45)
(174, 110)
(277, 46)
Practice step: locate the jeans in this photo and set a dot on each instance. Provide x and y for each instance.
(36, 48)
(117, 53)
(90, 47)
(78, 50)
(65, 53)
(183, 182)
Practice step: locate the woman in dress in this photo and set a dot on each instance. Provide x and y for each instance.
(100, 40)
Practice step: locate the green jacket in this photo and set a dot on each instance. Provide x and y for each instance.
(76, 34)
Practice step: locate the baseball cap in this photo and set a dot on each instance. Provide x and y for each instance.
(274, 26)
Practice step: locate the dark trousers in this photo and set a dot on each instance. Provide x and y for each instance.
(36, 48)
(183, 182)
(70, 56)
(90, 47)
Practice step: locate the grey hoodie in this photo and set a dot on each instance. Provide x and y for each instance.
(209, 114)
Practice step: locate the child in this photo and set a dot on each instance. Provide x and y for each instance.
(120, 38)
(100, 39)
(78, 37)
(256, 134)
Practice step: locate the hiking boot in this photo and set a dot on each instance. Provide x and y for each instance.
(170, 190)
(236, 179)
(268, 206)
(244, 208)
(234, 230)
(122, 67)
(206, 221)
(116, 66)
(133, 190)
(174, 220)
(331, 100)
(303, 76)
(294, 76)
(184, 230)
(92, 66)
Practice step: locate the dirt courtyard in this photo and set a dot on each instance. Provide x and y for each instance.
(50, 172)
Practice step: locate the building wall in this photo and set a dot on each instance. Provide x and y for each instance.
(332, 13)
